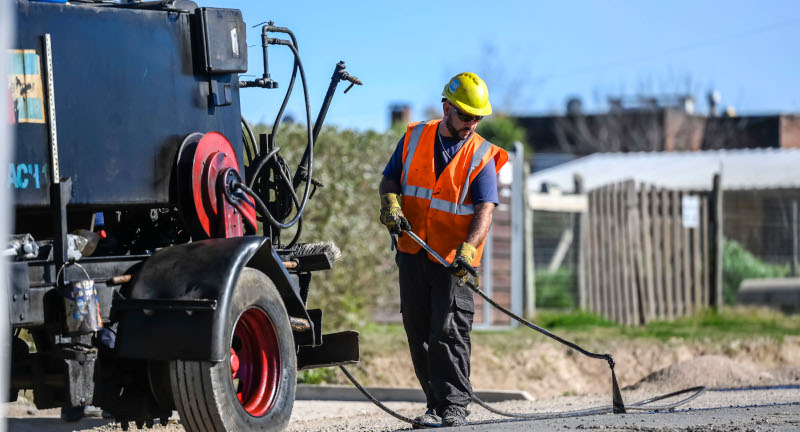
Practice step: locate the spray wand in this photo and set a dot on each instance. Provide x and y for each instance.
(618, 404)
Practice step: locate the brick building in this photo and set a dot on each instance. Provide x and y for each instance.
(654, 127)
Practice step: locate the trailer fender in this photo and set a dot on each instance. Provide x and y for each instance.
(178, 304)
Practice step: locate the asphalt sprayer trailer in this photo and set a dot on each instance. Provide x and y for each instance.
(147, 272)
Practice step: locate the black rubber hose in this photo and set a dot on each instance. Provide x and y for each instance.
(249, 189)
(619, 406)
(284, 173)
(518, 318)
(386, 409)
(606, 357)
(260, 206)
(251, 153)
(298, 64)
(533, 416)
(300, 205)
(605, 409)
(235, 203)
(285, 176)
(261, 164)
(310, 146)
(640, 406)
(291, 81)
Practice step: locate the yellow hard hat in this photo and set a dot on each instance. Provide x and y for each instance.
(469, 94)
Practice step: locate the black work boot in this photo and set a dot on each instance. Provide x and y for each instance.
(429, 417)
(454, 415)
(71, 414)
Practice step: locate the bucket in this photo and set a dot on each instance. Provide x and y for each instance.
(81, 309)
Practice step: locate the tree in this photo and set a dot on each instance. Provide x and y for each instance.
(502, 131)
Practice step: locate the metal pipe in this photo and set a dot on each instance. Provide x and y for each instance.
(300, 174)
(426, 247)
(338, 71)
(264, 46)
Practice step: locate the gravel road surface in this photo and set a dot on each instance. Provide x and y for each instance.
(761, 410)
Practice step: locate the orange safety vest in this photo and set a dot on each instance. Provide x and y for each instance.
(440, 211)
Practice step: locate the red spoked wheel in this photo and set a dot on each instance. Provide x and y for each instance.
(255, 362)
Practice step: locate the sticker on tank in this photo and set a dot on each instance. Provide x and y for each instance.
(25, 82)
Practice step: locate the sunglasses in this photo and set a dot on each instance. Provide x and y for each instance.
(466, 118)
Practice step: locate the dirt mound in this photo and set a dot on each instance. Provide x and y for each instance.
(716, 371)
(547, 370)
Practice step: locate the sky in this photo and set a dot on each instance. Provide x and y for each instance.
(534, 55)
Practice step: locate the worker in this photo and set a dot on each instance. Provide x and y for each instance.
(441, 183)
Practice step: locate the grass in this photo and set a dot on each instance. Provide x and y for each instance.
(593, 333)
(583, 327)
(317, 376)
(731, 323)
(554, 289)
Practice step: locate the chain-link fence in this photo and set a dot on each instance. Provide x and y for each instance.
(761, 221)
(555, 251)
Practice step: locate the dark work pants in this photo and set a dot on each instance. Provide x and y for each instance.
(437, 316)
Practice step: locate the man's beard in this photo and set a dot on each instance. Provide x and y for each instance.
(453, 131)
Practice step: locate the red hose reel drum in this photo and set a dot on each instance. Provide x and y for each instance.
(204, 165)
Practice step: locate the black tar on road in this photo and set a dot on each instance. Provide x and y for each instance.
(780, 417)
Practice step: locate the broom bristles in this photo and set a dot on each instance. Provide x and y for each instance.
(329, 248)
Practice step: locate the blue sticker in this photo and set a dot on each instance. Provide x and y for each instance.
(454, 85)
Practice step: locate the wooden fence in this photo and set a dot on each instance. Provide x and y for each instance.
(648, 253)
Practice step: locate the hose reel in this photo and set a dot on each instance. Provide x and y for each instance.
(207, 170)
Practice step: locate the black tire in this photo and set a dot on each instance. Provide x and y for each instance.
(204, 391)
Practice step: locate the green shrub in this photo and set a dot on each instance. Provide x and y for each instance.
(349, 163)
(325, 375)
(554, 289)
(739, 264)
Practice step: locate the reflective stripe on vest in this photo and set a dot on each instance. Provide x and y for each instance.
(417, 191)
(436, 203)
(477, 157)
(456, 209)
(413, 140)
